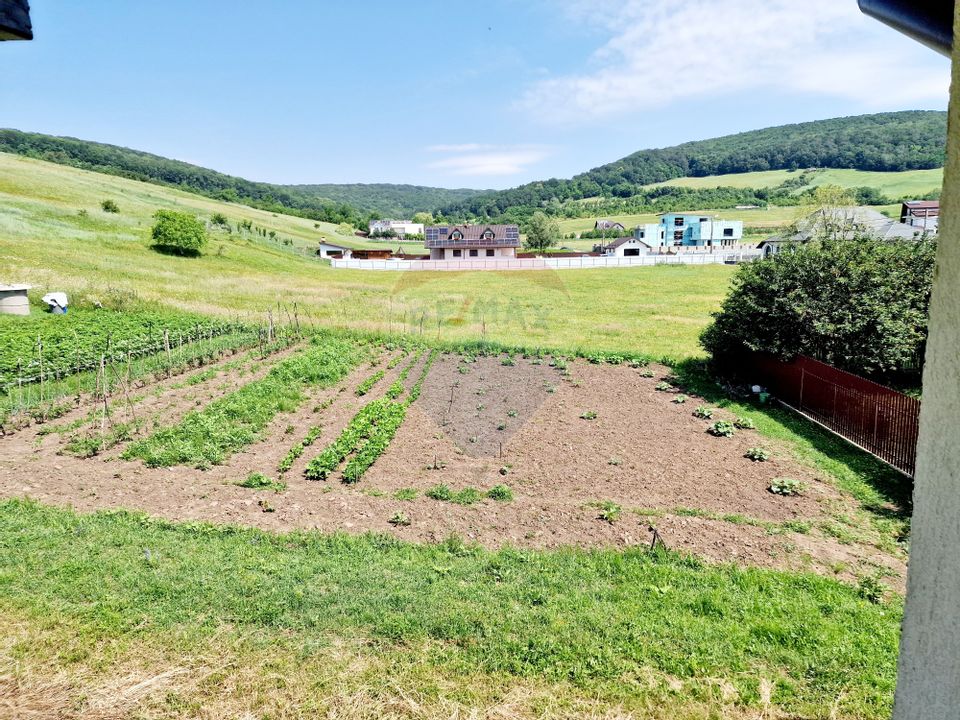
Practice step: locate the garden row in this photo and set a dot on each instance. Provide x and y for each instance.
(370, 431)
(208, 436)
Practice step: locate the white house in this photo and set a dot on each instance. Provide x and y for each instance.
(626, 247)
(329, 250)
(401, 227)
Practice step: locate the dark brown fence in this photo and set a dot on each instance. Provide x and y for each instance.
(878, 419)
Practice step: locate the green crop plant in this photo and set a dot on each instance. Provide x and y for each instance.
(663, 386)
(757, 454)
(208, 436)
(501, 493)
(588, 415)
(259, 481)
(787, 486)
(365, 387)
(702, 412)
(722, 428)
(745, 423)
(297, 450)
(680, 399)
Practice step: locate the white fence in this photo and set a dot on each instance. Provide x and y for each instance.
(549, 263)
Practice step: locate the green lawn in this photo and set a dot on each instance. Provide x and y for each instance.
(292, 623)
(45, 242)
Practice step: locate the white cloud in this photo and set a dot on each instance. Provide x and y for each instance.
(661, 51)
(478, 159)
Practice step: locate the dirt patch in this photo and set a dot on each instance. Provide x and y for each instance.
(568, 443)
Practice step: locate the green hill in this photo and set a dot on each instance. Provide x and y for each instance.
(885, 142)
(352, 203)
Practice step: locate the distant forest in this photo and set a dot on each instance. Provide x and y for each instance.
(907, 140)
(354, 203)
(886, 142)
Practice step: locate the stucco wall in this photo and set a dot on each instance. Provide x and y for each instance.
(929, 674)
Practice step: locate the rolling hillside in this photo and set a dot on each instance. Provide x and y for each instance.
(886, 142)
(334, 203)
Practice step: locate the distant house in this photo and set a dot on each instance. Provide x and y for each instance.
(690, 230)
(608, 225)
(630, 246)
(471, 242)
(922, 214)
(401, 228)
(846, 222)
(330, 250)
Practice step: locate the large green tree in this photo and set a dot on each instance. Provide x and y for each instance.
(856, 302)
(542, 232)
(178, 233)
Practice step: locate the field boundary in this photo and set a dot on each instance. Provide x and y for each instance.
(546, 263)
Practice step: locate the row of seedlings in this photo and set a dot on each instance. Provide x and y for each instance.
(369, 432)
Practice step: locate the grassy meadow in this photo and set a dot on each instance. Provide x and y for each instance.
(893, 184)
(46, 242)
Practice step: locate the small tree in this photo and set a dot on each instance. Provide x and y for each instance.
(542, 232)
(109, 206)
(424, 218)
(219, 219)
(178, 233)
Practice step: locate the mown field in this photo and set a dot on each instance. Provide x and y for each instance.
(45, 242)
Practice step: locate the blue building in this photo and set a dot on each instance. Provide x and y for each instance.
(690, 230)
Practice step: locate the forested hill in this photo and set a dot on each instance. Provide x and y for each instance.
(388, 200)
(333, 203)
(907, 140)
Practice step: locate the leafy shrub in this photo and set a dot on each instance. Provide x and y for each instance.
(787, 486)
(721, 428)
(801, 299)
(871, 589)
(757, 454)
(745, 423)
(178, 233)
(501, 493)
(704, 413)
(109, 206)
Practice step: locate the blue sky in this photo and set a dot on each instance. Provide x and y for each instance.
(453, 94)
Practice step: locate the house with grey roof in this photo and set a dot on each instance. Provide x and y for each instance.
(471, 242)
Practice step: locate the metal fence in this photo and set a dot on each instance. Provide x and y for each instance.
(878, 419)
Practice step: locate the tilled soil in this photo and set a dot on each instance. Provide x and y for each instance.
(518, 424)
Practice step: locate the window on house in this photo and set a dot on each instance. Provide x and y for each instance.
(488, 234)
(642, 235)
(489, 252)
(456, 252)
(457, 235)
(678, 221)
(473, 253)
(631, 252)
(704, 219)
(728, 232)
(678, 237)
